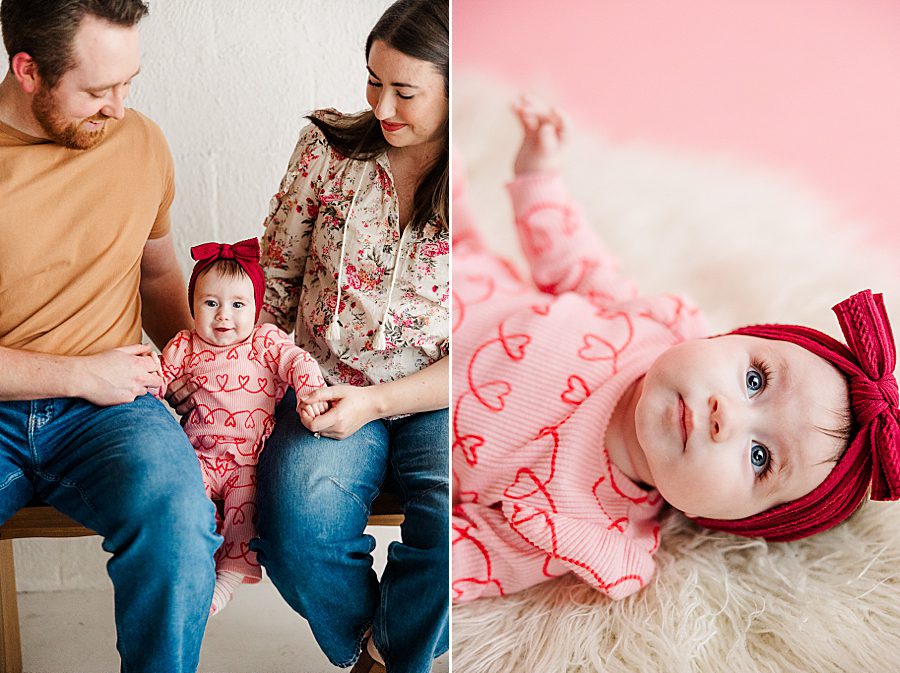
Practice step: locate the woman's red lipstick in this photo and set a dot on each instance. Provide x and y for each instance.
(391, 127)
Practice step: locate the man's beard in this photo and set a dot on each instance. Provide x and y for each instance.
(64, 133)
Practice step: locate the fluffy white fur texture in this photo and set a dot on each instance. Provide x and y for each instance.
(747, 245)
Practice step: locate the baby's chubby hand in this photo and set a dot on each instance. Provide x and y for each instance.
(310, 411)
(544, 129)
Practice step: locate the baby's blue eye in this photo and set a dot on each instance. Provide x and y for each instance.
(210, 303)
(238, 304)
(754, 381)
(759, 457)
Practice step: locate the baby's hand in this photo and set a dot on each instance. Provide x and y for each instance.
(310, 411)
(544, 131)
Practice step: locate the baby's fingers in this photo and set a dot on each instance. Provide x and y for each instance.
(559, 122)
(525, 111)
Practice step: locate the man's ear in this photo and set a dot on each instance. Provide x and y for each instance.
(25, 71)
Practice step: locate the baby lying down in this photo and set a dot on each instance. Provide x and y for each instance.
(581, 408)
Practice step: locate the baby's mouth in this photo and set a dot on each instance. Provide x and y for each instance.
(687, 421)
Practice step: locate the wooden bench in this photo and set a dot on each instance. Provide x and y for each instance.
(38, 520)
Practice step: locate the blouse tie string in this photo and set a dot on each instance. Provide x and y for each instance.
(333, 333)
(380, 342)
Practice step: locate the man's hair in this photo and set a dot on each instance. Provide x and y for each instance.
(45, 29)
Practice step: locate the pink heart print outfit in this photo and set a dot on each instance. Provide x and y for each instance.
(538, 368)
(239, 387)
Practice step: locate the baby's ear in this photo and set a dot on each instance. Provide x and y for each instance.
(690, 516)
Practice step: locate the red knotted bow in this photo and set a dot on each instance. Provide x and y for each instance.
(873, 454)
(245, 253)
(873, 389)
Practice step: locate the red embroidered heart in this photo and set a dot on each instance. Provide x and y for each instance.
(491, 394)
(199, 380)
(232, 354)
(515, 344)
(526, 485)
(541, 309)
(222, 380)
(469, 445)
(492, 587)
(229, 422)
(243, 381)
(596, 348)
(577, 392)
(521, 516)
(535, 241)
(250, 423)
(262, 382)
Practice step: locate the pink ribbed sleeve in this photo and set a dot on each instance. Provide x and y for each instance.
(537, 373)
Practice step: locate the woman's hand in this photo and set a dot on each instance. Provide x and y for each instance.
(351, 408)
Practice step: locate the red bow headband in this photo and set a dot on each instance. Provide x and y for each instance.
(245, 253)
(873, 455)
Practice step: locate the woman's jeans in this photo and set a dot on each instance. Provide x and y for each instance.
(129, 473)
(314, 497)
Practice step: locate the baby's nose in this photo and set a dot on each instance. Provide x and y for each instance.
(719, 420)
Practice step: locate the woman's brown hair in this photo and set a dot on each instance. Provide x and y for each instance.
(420, 29)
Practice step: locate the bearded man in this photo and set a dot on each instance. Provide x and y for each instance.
(86, 261)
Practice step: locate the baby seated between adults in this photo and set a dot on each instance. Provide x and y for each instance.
(581, 408)
(241, 371)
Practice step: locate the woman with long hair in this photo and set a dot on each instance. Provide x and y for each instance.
(356, 254)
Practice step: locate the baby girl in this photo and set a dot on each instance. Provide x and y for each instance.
(581, 408)
(241, 371)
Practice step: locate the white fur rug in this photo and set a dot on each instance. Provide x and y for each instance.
(747, 245)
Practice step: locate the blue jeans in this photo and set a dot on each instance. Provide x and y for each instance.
(129, 473)
(314, 497)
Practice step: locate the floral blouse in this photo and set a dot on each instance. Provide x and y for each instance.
(301, 255)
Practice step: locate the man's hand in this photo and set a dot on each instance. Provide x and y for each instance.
(120, 375)
(180, 395)
(351, 408)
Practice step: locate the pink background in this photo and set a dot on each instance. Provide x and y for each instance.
(810, 87)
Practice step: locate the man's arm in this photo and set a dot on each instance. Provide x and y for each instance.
(164, 308)
(112, 377)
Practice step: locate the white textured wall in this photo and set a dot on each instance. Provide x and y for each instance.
(229, 82)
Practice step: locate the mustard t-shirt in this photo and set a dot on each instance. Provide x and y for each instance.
(73, 225)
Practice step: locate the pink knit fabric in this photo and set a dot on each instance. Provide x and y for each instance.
(536, 376)
(239, 387)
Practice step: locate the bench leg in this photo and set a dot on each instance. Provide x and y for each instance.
(10, 647)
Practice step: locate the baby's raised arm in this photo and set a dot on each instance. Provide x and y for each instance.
(563, 253)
